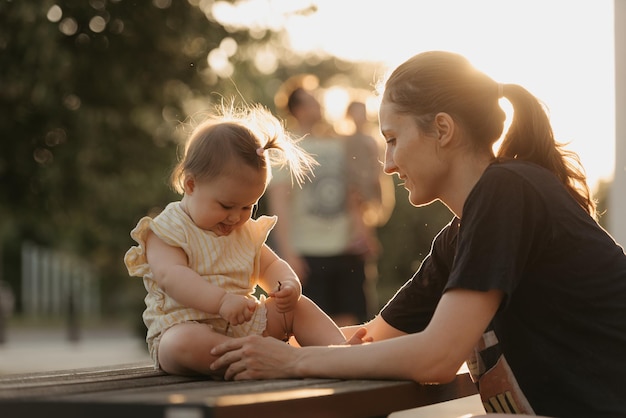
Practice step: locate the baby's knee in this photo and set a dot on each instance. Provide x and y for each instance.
(185, 348)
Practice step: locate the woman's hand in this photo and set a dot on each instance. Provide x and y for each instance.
(236, 309)
(256, 357)
(359, 337)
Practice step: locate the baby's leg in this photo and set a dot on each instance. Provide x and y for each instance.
(308, 323)
(184, 349)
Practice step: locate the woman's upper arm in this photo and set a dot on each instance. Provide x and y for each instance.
(436, 353)
(459, 321)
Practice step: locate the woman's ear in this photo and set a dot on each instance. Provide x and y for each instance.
(445, 127)
(189, 184)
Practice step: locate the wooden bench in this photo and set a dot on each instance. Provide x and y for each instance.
(138, 390)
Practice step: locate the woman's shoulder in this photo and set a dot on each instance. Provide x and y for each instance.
(516, 166)
(512, 175)
(520, 168)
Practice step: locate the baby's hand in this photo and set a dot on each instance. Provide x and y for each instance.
(236, 309)
(287, 295)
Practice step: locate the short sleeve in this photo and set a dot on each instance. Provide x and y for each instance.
(135, 258)
(170, 226)
(412, 307)
(502, 222)
(260, 228)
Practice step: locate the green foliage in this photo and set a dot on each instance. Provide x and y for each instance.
(92, 96)
(406, 240)
(89, 120)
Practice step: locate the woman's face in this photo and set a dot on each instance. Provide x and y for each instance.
(411, 154)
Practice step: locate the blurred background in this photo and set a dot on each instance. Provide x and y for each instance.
(96, 97)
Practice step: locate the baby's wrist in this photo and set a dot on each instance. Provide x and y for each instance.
(223, 299)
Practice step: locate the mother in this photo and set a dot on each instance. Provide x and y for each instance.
(523, 283)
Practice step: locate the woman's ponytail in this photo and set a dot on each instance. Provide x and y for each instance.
(530, 138)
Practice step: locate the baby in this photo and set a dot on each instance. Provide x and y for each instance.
(202, 257)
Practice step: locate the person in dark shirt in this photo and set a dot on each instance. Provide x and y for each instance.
(523, 284)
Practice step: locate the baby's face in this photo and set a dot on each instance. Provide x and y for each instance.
(223, 204)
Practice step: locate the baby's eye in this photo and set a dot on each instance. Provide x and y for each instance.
(225, 206)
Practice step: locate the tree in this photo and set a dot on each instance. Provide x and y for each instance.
(94, 97)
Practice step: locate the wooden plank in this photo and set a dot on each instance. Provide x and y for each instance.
(82, 374)
(275, 398)
(139, 390)
(346, 399)
(89, 380)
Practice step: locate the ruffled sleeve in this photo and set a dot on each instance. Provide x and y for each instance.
(135, 258)
(259, 230)
(261, 227)
(170, 226)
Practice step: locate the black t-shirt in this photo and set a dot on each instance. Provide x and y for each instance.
(562, 325)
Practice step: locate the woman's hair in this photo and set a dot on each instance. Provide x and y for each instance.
(232, 136)
(439, 81)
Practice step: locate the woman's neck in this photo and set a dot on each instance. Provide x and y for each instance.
(466, 172)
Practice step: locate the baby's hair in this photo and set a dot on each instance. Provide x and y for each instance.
(234, 135)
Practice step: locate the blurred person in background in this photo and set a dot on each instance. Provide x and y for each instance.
(321, 233)
(371, 195)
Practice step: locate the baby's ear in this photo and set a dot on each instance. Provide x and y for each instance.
(189, 184)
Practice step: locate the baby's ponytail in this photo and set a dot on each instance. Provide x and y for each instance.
(279, 146)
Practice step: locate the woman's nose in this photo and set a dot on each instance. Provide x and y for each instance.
(389, 166)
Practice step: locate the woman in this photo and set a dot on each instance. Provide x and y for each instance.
(523, 284)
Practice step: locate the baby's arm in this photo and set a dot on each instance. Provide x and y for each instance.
(279, 279)
(170, 268)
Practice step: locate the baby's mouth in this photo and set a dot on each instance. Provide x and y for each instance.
(225, 229)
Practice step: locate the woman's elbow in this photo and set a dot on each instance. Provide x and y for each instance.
(446, 376)
(439, 372)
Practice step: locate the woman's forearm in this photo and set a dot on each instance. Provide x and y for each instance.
(414, 359)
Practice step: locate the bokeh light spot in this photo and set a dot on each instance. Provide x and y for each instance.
(97, 24)
(54, 13)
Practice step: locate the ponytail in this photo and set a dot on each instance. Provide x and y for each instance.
(439, 81)
(530, 138)
(233, 135)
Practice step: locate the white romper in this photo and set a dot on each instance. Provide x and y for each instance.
(230, 262)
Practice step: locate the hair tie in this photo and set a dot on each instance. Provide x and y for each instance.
(260, 151)
(500, 90)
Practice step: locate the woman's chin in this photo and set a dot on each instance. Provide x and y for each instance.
(418, 201)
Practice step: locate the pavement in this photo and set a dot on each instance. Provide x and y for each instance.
(46, 348)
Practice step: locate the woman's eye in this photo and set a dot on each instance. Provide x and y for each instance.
(390, 141)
